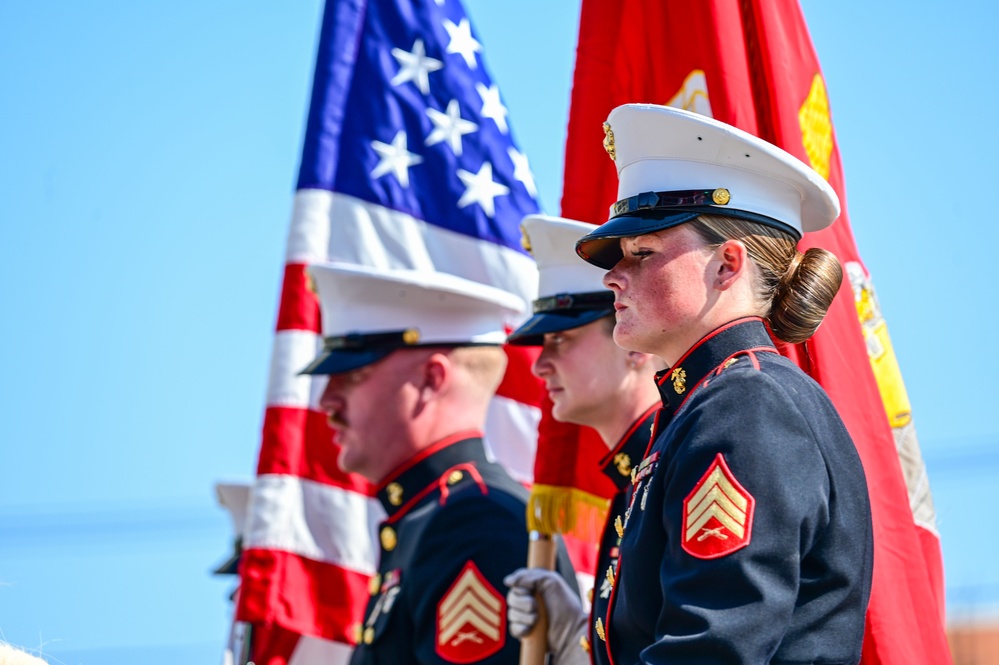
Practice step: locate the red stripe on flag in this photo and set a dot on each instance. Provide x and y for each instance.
(298, 442)
(301, 595)
(519, 384)
(273, 645)
(299, 309)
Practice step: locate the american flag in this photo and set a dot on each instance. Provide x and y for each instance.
(408, 162)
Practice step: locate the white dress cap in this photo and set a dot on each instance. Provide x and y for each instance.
(368, 313)
(571, 292)
(552, 242)
(660, 148)
(673, 165)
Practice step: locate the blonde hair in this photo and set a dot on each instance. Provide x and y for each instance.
(484, 364)
(795, 290)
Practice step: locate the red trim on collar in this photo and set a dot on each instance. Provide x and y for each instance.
(427, 452)
(627, 435)
(749, 352)
(711, 334)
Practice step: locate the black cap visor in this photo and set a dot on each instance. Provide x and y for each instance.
(338, 361)
(602, 246)
(532, 333)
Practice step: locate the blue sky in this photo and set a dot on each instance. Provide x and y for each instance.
(148, 154)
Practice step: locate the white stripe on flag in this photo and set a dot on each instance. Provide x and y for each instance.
(286, 507)
(314, 650)
(292, 351)
(512, 436)
(328, 226)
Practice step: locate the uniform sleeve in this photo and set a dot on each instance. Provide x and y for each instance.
(745, 495)
(458, 595)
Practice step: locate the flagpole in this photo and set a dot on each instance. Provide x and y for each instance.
(540, 554)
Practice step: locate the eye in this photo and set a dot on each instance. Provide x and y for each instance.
(641, 252)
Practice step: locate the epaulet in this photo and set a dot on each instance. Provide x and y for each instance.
(460, 477)
(744, 358)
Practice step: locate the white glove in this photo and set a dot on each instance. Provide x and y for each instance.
(566, 618)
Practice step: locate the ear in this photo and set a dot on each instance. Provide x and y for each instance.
(733, 261)
(636, 359)
(436, 374)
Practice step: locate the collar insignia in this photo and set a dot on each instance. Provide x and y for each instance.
(679, 378)
(394, 492)
(623, 463)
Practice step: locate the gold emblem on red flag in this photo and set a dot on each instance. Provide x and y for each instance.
(717, 514)
(471, 619)
(693, 94)
(816, 127)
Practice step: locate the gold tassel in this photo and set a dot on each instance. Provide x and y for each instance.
(555, 509)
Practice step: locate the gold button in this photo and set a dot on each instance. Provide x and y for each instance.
(358, 633)
(369, 635)
(389, 539)
(584, 643)
(599, 625)
(375, 584)
(721, 196)
(394, 492)
(455, 477)
(411, 336)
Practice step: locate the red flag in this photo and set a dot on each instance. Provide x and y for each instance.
(751, 63)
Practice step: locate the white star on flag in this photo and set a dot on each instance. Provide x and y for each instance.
(396, 158)
(462, 42)
(449, 126)
(415, 66)
(481, 189)
(492, 107)
(522, 170)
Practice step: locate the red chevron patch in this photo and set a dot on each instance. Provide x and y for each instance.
(717, 514)
(471, 618)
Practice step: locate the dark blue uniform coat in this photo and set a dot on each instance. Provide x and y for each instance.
(748, 536)
(456, 526)
(617, 466)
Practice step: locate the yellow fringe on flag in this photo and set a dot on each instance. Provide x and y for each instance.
(555, 509)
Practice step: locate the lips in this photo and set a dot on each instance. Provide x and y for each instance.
(336, 420)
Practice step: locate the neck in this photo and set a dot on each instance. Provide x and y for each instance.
(612, 432)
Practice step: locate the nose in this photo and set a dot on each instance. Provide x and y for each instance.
(614, 280)
(542, 367)
(331, 400)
